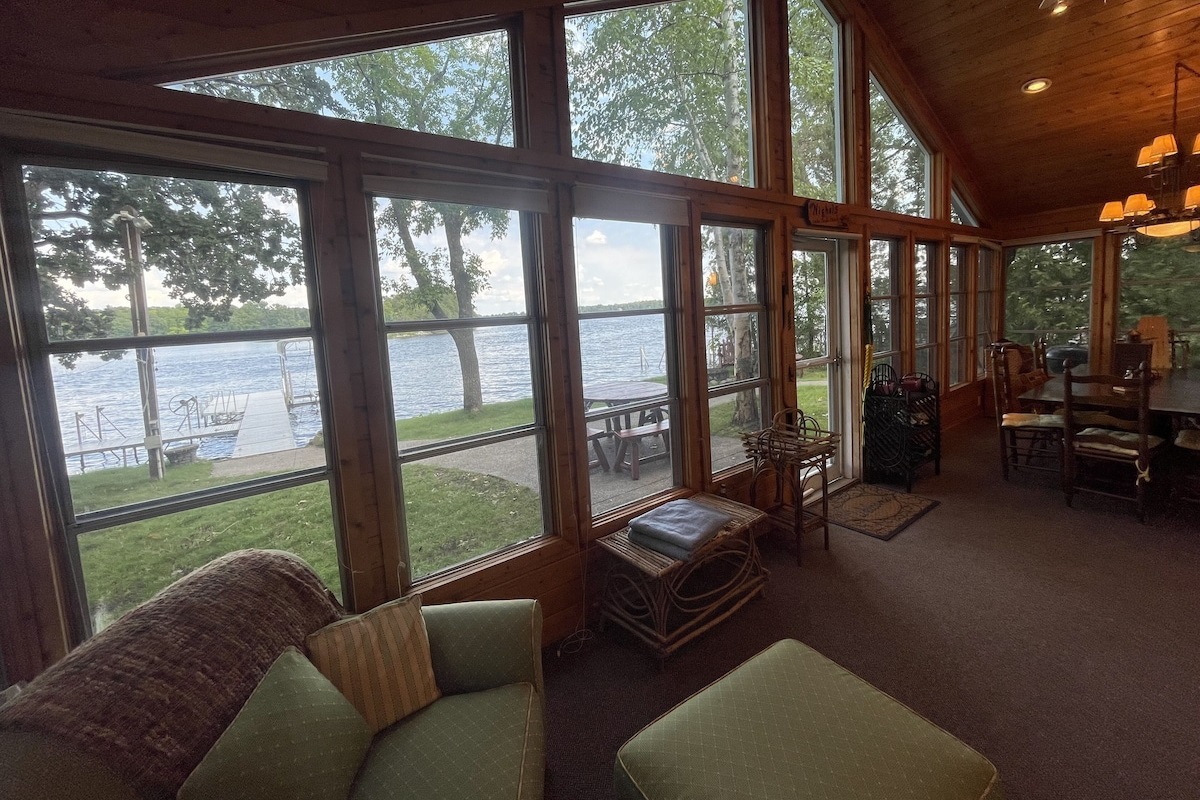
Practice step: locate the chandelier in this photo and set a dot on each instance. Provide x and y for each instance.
(1166, 169)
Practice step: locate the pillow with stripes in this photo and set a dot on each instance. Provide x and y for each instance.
(379, 660)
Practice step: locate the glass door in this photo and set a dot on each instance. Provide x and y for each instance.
(819, 337)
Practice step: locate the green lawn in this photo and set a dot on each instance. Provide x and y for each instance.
(453, 516)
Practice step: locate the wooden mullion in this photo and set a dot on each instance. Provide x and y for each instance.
(37, 623)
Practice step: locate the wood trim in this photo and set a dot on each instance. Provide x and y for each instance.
(35, 624)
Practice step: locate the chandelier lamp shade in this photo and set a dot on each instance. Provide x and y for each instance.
(1158, 212)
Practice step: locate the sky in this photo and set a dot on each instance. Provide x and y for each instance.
(615, 261)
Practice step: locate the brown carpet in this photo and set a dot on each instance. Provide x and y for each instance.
(876, 510)
(1061, 643)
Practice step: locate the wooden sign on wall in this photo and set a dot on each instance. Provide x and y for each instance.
(825, 214)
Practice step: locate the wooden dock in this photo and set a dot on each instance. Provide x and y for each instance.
(266, 426)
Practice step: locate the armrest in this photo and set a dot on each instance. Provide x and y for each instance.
(485, 643)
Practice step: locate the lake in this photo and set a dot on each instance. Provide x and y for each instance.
(425, 379)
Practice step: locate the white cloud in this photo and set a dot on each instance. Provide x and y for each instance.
(596, 237)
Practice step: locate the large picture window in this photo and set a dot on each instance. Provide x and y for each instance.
(664, 87)
(454, 282)
(735, 318)
(181, 375)
(812, 59)
(460, 87)
(1048, 292)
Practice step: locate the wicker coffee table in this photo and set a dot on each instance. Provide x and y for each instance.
(666, 602)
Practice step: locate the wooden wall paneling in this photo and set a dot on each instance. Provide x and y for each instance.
(856, 116)
(35, 620)
(693, 437)
(364, 484)
(565, 411)
(1106, 295)
(771, 95)
(541, 86)
(509, 569)
(959, 405)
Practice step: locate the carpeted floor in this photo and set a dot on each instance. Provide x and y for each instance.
(1062, 643)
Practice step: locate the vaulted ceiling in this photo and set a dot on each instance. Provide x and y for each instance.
(1111, 65)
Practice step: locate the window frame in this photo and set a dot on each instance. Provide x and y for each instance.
(531, 222)
(69, 523)
(874, 82)
(765, 340)
(895, 355)
(959, 261)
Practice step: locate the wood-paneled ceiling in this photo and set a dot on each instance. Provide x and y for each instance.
(1111, 65)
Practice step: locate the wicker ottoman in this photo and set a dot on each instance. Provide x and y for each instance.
(790, 723)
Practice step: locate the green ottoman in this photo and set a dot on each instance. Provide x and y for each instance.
(790, 723)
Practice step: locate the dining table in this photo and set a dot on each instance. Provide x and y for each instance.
(1176, 393)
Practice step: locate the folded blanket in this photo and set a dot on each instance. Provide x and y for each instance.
(659, 546)
(683, 524)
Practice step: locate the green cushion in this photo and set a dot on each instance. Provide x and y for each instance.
(790, 723)
(296, 737)
(485, 744)
(34, 766)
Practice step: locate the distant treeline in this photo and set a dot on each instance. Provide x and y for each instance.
(250, 316)
(264, 316)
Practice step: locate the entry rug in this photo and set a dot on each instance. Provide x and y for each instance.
(877, 511)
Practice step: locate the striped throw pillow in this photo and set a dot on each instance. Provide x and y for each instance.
(379, 660)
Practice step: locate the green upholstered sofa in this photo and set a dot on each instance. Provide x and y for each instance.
(132, 711)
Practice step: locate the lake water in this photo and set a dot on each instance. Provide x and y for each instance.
(425, 378)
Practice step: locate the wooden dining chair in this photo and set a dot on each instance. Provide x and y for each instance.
(1028, 439)
(1128, 356)
(1106, 461)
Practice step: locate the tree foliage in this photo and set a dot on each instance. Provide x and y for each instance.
(899, 163)
(1161, 277)
(457, 87)
(811, 64)
(1048, 292)
(215, 244)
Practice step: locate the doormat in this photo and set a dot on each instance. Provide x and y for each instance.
(877, 511)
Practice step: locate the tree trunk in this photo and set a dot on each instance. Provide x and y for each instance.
(464, 338)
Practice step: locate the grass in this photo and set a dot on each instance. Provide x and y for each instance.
(453, 516)
(813, 399)
(491, 417)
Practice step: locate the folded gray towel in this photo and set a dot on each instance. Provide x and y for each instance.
(683, 524)
(659, 546)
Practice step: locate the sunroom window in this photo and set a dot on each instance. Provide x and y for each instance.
(960, 336)
(460, 87)
(735, 323)
(899, 162)
(180, 375)
(885, 303)
(812, 59)
(663, 87)
(1047, 292)
(455, 289)
(624, 274)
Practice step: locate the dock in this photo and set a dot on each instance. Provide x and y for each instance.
(266, 426)
(263, 426)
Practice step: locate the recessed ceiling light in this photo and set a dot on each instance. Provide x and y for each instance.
(1035, 85)
(1059, 8)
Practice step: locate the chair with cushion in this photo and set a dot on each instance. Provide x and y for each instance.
(1028, 439)
(1107, 461)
